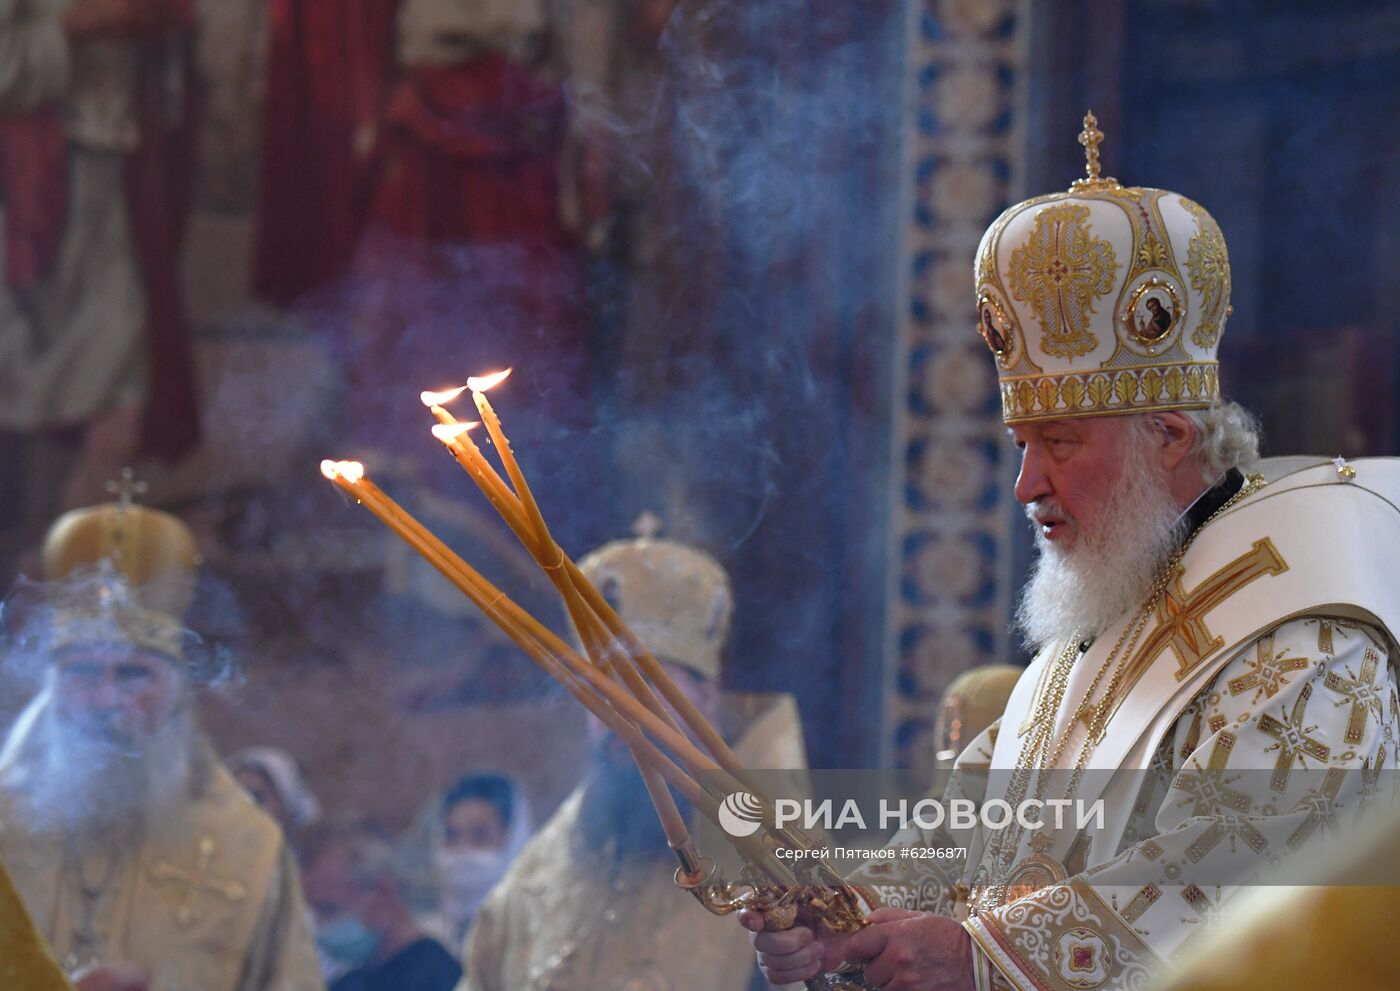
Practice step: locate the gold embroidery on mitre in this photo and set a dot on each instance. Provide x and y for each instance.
(1151, 253)
(1069, 258)
(992, 297)
(1208, 263)
(1127, 390)
(1061, 270)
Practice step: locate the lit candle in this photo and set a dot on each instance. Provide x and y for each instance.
(571, 582)
(536, 538)
(601, 644)
(546, 649)
(478, 386)
(456, 437)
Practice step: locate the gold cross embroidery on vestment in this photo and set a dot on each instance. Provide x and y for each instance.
(196, 881)
(1269, 669)
(1360, 692)
(1294, 744)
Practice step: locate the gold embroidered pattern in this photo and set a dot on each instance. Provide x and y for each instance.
(1208, 913)
(1209, 793)
(1127, 390)
(1083, 958)
(192, 883)
(1061, 270)
(1181, 615)
(1321, 806)
(1268, 672)
(1065, 937)
(1209, 266)
(1294, 742)
(1363, 695)
(1233, 828)
(1141, 902)
(1151, 253)
(1324, 637)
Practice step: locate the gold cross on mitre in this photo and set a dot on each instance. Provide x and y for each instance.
(647, 526)
(1091, 137)
(193, 882)
(127, 487)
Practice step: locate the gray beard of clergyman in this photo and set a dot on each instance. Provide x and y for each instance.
(62, 778)
(617, 820)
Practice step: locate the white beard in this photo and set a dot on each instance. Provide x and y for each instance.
(1081, 591)
(61, 779)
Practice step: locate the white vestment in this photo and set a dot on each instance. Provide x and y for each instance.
(1270, 654)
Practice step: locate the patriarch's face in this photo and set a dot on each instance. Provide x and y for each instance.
(1069, 471)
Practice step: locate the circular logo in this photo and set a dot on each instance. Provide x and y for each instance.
(741, 814)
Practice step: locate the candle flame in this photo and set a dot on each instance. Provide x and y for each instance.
(447, 431)
(351, 471)
(330, 469)
(480, 383)
(441, 398)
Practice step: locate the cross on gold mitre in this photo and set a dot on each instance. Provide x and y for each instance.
(647, 526)
(1091, 137)
(127, 487)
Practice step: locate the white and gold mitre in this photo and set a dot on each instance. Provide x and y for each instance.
(129, 572)
(1103, 299)
(675, 598)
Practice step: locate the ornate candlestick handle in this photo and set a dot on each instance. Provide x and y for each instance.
(836, 907)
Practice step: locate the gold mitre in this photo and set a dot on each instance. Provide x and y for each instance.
(675, 598)
(144, 562)
(1104, 299)
(974, 701)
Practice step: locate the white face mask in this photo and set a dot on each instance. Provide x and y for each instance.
(465, 877)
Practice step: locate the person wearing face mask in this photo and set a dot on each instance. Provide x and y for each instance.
(367, 935)
(479, 826)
